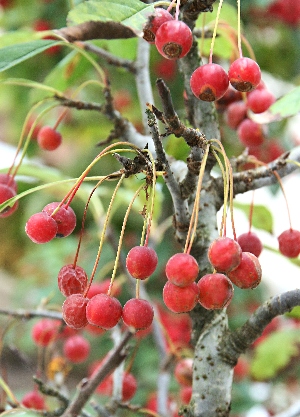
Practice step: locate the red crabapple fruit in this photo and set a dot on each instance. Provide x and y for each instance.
(250, 242)
(33, 399)
(182, 269)
(173, 39)
(45, 331)
(215, 291)
(209, 82)
(224, 254)
(289, 243)
(7, 192)
(250, 133)
(41, 228)
(141, 262)
(129, 386)
(48, 138)
(138, 313)
(72, 280)
(244, 74)
(180, 299)
(260, 100)
(236, 112)
(104, 311)
(183, 371)
(248, 273)
(76, 349)
(74, 311)
(161, 16)
(185, 394)
(64, 217)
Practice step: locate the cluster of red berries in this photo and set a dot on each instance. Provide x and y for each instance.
(102, 310)
(210, 82)
(173, 38)
(8, 189)
(44, 226)
(215, 290)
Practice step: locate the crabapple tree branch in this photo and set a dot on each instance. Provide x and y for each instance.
(87, 387)
(237, 342)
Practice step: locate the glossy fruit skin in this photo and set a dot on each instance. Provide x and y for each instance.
(250, 133)
(209, 82)
(141, 262)
(104, 311)
(72, 280)
(180, 299)
(41, 228)
(244, 74)
(64, 217)
(48, 138)
(248, 273)
(76, 349)
(74, 311)
(260, 100)
(182, 269)
(289, 243)
(250, 242)
(173, 39)
(7, 192)
(183, 371)
(161, 16)
(224, 254)
(215, 291)
(34, 399)
(45, 331)
(138, 313)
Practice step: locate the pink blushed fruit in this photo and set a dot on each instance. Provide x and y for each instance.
(138, 313)
(161, 16)
(173, 39)
(48, 138)
(64, 217)
(104, 311)
(182, 269)
(244, 74)
(224, 254)
(180, 299)
(74, 311)
(215, 291)
(41, 228)
(72, 280)
(289, 243)
(76, 349)
(141, 262)
(45, 331)
(209, 82)
(248, 273)
(250, 242)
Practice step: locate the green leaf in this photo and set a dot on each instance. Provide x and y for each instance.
(261, 218)
(274, 353)
(131, 13)
(288, 105)
(294, 313)
(13, 55)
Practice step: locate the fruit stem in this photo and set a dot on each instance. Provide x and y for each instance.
(177, 10)
(84, 218)
(121, 237)
(215, 32)
(194, 217)
(103, 233)
(251, 211)
(285, 197)
(171, 5)
(239, 29)
(137, 289)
